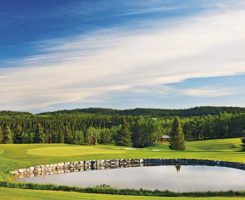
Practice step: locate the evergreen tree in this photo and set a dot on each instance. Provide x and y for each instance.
(18, 134)
(105, 136)
(61, 137)
(146, 132)
(39, 136)
(92, 136)
(7, 135)
(1, 135)
(54, 137)
(79, 137)
(26, 138)
(243, 143)
(123, 137)
(177, 140)
(68, 137)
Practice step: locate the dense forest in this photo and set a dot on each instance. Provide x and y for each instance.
(106, 126)
(154, 112)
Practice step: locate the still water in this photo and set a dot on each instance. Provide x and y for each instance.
(173, 178)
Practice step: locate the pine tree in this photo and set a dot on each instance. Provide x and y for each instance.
(7, 135)
(243, 143)
(68, 137)
(61, 137)
(105, 136)
(39, 136)
(177, 140)
(145, 132)
(1, 135)
(124, 136)
(18, 134)
(79, 137)
(92, 136)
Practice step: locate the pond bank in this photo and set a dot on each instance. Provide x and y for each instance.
(76, 166)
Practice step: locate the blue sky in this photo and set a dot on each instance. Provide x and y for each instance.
(63, 54)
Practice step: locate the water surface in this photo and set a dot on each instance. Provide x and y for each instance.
(173, 178)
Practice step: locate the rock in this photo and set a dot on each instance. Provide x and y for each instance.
(67, 167)
(14, 172)
(21, 170)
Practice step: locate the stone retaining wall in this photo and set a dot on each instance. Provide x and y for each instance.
(67, 167)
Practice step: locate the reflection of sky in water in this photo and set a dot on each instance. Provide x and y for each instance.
(189, 178)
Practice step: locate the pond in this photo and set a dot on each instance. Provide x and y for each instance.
(174, 178)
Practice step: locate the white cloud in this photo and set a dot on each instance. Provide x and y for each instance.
(107, 61)
(154, 10)
(207, 92)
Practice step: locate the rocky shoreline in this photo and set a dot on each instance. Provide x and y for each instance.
(76, 166)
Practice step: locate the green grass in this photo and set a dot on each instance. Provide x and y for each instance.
(24, 155)
(71, 151)
(215, 145)
(20, 194)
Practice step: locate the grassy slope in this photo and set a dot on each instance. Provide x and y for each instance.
(13, 194)
(18, 156)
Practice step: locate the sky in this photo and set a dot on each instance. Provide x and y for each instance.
(65, 54)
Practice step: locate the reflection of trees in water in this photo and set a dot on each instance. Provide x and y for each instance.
(178, 167)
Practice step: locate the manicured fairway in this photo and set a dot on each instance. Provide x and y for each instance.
(14, 194)
(215, 145)
(71, 151)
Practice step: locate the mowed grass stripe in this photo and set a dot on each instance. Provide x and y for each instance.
(71, 151)
(20, 194)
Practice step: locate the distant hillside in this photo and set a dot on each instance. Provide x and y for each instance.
(14, 113)
(154, 112)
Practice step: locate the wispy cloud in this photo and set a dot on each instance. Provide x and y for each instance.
(208, 92)
(156, 9)
(109, 61)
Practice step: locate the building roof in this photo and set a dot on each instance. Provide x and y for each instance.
(165, 137)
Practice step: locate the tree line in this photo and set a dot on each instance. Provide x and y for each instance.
(154, 112)
(139, 132)
(91, 129)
